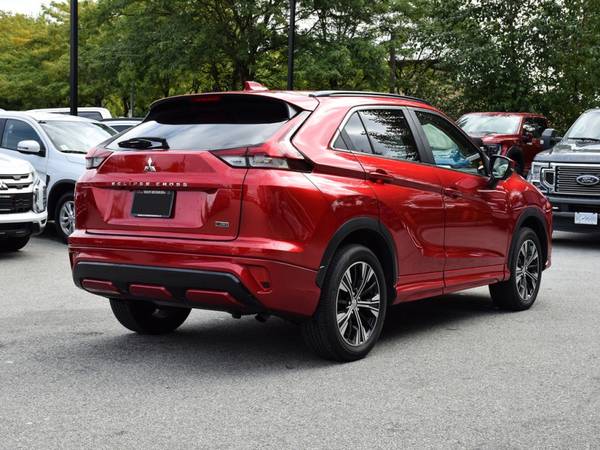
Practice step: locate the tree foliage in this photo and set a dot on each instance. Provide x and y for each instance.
(463, 55)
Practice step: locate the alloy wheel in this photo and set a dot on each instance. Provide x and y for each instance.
(527, 270)
(67, 217)
(358, 303)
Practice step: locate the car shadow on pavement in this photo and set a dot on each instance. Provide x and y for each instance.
(576, 241)
(225, 346)
(10, 256)
(408, 319)
(50, 234)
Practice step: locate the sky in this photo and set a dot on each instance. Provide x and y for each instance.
(31, 7)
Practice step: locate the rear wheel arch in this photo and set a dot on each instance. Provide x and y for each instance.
(59, 189)
(534, 219)
(371, 233)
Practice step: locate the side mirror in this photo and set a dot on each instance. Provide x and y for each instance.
(29, 147)
(549, 138)
(501, 167)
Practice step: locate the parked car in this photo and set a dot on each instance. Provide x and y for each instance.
(89, 112)
(568, 172)
(121, 124)
(55, 145)
(322, 208)
(515, 135)
(22, 202)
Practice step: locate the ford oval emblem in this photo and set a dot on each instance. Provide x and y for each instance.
(588, 180)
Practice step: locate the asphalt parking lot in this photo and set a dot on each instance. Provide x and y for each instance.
(448, 372)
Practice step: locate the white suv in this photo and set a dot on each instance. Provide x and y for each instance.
(55, 145)
(22, 203)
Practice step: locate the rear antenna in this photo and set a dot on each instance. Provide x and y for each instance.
(254, 86)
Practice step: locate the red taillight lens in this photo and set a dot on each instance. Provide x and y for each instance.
(277, 155)
(95, 157)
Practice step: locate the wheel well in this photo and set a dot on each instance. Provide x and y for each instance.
(536, 225)
(378, 245)
(58, 190)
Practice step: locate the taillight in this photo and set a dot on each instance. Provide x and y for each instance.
(95, 157)
(273, 155)
(278, 153)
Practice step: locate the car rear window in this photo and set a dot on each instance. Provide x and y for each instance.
(211, 122)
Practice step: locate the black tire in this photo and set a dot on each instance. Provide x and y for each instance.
(148, 318)
(60, 229)
(508, 294)
(322, 333)
(13, 244)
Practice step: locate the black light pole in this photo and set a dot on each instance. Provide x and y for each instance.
(74, 65)
(291, 35)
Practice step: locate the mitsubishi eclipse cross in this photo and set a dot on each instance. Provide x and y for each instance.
(323, 208)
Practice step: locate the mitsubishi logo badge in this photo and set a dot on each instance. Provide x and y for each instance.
(150, 166)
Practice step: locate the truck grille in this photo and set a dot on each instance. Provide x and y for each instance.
(15, 203)
(566, 180)
(15, 181)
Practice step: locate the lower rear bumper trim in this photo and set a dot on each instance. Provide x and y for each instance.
(176, 281)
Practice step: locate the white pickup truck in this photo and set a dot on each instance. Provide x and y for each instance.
(22, 203)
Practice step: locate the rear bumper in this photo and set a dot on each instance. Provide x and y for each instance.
(204, 281)
(167, 286)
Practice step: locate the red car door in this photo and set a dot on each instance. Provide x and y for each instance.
(478, 223)
(409, 195)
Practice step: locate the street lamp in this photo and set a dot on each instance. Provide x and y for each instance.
(291, 35)
(73, 67)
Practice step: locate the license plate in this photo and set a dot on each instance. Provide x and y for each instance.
(153, 204)
(586, 218)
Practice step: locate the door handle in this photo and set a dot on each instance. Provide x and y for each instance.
(380, 177)
(453, 193)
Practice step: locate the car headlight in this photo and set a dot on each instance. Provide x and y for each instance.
(39, 194)
(536, 171)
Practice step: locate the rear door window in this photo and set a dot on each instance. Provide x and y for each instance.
(390, 134)
(212, 122)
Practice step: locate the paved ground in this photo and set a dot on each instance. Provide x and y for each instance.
(451, 372)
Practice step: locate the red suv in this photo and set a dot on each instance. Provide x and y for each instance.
(323, 208)
(516, 135)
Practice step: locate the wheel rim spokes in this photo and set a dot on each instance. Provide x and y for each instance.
(67, 217)
(358, 303)
(527, 270)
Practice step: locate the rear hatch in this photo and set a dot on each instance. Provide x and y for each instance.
(165, 178)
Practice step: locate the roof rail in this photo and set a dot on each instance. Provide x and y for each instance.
(365, 94)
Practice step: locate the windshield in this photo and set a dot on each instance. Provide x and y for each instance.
(489, 124)
(586, 127)
(76, 137)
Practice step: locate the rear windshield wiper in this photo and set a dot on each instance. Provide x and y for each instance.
(146, 143)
